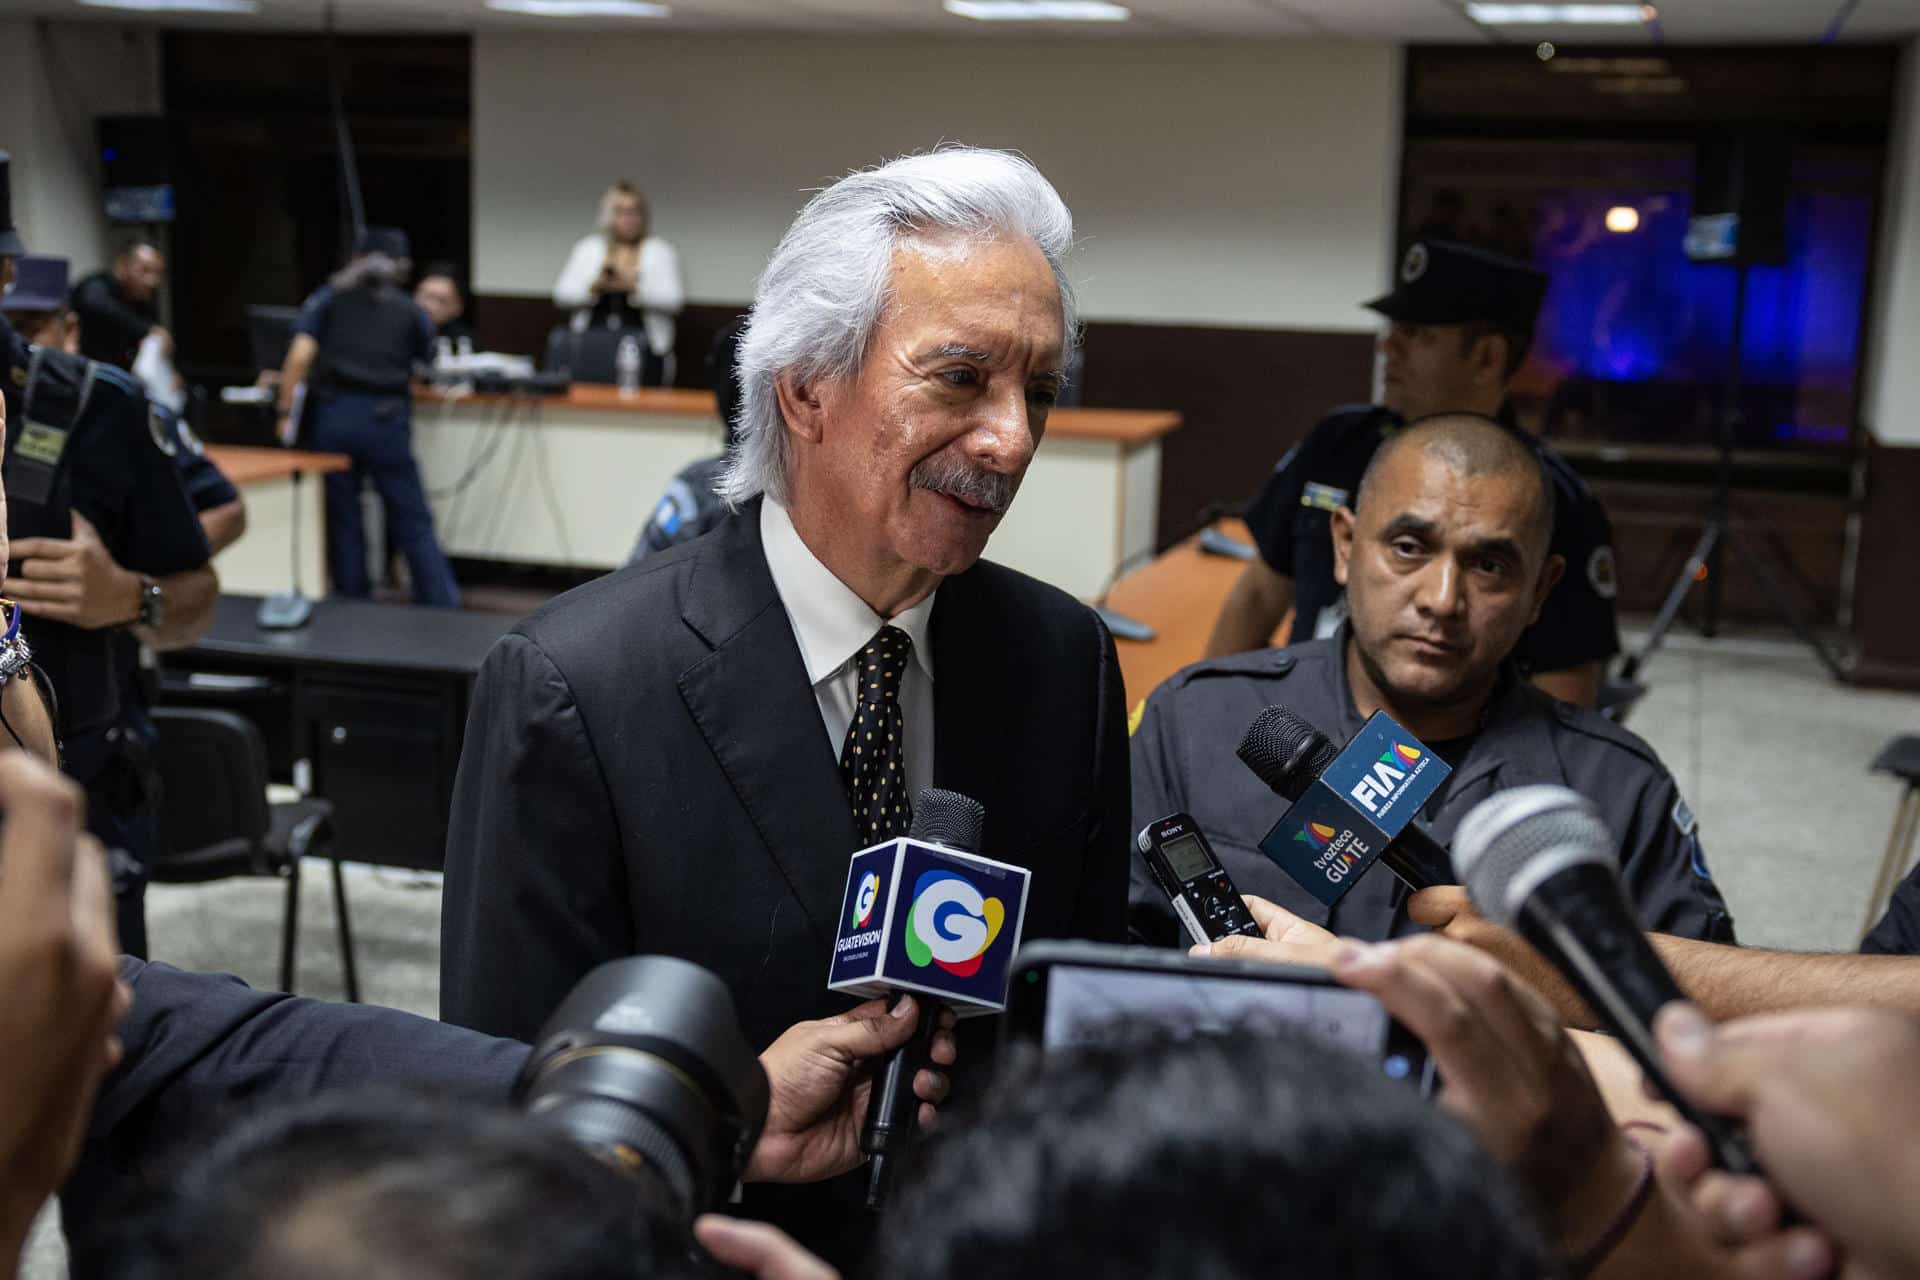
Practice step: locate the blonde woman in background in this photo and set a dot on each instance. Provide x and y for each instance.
(621, 276)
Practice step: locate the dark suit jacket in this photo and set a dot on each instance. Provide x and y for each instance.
(201, 1047)
(646, 771)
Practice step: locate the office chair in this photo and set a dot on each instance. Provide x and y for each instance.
(590, 355)
(216, 822)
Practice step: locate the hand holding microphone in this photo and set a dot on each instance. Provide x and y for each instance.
(925, 914)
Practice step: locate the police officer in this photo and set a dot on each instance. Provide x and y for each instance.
(103, 541)
(690, 506)
(1461, 321)
(355, 346)
(1445, 561)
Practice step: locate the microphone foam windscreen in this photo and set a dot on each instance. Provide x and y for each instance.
(948, 818)
(1512, 841)
(1284, 751)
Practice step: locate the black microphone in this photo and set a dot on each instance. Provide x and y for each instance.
(952, 821)
(1290, 755)
(1540, 861)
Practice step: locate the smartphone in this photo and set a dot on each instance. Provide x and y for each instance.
(1188, 871)
(1070, 994)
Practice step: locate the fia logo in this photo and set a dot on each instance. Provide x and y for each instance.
(864, 899)
(1380, 783)
(951, 924)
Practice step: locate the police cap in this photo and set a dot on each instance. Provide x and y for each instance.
(1443, 282)
(39, 284)
(391, 241)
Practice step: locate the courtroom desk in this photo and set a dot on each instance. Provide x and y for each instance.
(269, 479)
(365, 706)
(1179, 595)
(568, 481)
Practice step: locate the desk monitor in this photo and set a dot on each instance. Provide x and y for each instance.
(270, 333)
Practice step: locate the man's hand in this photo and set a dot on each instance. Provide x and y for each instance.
(1285, 938)
(75, 580)
(821, 1073)
(761, 1251)
(1447, 910)
(166, 340)
(1827, 1096)
(60, 993)
(1510, 1072)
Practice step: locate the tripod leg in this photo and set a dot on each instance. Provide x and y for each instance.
(1676, 595)
(1763, 569)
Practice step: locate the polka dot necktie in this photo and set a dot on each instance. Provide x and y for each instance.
(873, 761)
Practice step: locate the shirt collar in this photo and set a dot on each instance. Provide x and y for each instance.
(830, 621)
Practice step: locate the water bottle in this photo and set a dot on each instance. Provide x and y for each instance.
(626, 364)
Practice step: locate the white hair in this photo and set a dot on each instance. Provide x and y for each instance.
(828, 282)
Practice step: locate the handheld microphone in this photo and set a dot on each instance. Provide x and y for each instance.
(1540, 861)
(925, 914)
(1348, 808)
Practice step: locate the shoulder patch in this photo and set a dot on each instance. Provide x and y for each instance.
(1134, 717)
(1600, 572)
(1322, 497)
(161, 430)
(190, 438)
(1683, 817)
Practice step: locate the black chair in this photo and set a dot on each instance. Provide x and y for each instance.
(1901, 758)
(216, 822)
(591, 355)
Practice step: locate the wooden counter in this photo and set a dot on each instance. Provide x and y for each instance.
(570, 480)
(1179, 595)
(284, 517)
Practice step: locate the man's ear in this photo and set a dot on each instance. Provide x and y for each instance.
(1343, 525)
(802, 406)
(1489, 359)
(1550, 574)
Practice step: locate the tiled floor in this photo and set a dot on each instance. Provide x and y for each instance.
(1771, 754)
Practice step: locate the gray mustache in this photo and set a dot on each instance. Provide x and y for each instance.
(971, 484)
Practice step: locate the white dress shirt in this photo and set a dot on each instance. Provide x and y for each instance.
(832, 625)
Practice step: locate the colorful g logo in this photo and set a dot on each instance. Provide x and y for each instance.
(950, 924)
(864, 898)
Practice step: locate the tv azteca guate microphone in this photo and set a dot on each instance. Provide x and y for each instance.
(1540, 861)
(1349, 807)
(925, 915)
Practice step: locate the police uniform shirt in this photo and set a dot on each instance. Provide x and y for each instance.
(370, 338)
(1291, 522)
(1183, 761)
(1898, 933)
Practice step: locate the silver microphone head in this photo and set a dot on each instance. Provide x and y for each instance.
(1512, 841)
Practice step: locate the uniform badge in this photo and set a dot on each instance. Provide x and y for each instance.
(40, 442)
(1600, 572)
(162, 434)
(1139, 713)
(1683, 821)
(1414, 265)
(19, 376)
(1322, 497)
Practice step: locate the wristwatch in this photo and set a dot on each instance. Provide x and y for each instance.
(153, 603)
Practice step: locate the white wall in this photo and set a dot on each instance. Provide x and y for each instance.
(1892, 407)
(54, 79)
(1246, 184)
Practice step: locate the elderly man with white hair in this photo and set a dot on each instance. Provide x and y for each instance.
(672, 758)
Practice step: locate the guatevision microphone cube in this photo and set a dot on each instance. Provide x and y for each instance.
(926, 918)
(1355, 808)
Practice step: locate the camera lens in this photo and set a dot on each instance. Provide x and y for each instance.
(644, 1063)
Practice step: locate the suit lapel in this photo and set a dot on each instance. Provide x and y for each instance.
(969, 724)
(752, 702)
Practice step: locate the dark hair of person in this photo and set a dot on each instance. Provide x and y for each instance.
(360, 1187)
(451, 272)
(1210, 1159)
(1519, 342)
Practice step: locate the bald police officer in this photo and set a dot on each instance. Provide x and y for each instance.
(1445, 558)
(104, 542)
(1461, 322)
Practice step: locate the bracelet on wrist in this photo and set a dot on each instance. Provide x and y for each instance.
(1588, 1260)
